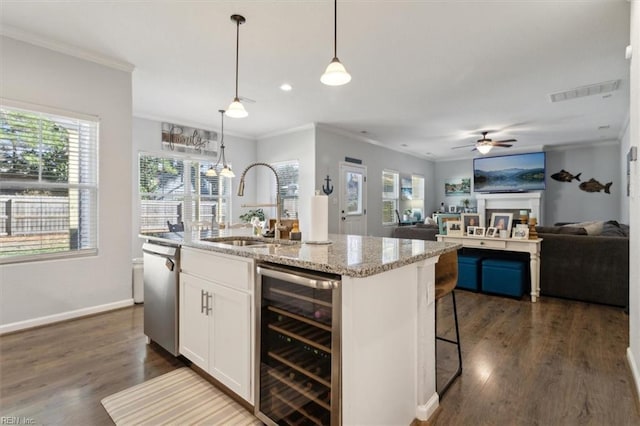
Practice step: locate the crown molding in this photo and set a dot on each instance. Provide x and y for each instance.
(47, 43)
(578, 145)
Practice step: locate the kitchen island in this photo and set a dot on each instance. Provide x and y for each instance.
(386, 315)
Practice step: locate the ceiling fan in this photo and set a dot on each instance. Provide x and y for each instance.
(485, 144)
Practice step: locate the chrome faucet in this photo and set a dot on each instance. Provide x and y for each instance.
(278, 198)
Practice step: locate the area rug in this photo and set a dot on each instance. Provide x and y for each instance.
(180, 397)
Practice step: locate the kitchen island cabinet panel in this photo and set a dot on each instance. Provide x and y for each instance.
(216, 319)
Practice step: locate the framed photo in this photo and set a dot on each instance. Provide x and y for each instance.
(454, 227)
(453, 209)
(492, 232)
(479, 231)
(442, 219)
(471, 230)
(501, 221)
(470, 219)
(457, 186)
(520, 233)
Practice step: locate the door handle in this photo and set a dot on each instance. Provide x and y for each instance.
(202, 301)
(209, 306)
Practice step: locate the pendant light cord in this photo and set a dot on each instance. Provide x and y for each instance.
(237, 53)
(335, 28)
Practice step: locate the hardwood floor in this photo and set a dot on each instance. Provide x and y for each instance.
(550, 363)
(554, 362)
(57, 375)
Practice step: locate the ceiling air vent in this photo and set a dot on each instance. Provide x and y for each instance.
(590, 90)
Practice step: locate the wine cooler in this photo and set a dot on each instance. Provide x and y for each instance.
(298, 352)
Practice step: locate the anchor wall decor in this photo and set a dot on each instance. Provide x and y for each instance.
(327, 189)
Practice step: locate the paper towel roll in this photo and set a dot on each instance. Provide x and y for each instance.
(319, 218)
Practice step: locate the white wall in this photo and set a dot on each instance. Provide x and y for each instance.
(296, 144)
(333, 146)
(566, 202)
(239, 152)
(634, 202)
(38, 289)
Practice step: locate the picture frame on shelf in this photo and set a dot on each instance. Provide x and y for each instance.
(470, 219)
(492, 232)
(454, 227)
(453, 209)
(501, 221)
(442, 219)
(520, 233)
(479, 231)
(471, 231)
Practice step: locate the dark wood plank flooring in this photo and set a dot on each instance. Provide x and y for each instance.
(555, 362)
(551, 363)
(57, 375)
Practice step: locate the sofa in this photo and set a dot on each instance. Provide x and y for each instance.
(588, 262)
(416, 232)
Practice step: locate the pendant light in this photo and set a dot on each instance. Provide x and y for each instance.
(226, 169)
(236, 109)
(335, 74)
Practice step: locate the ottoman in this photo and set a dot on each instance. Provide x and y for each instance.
(469, 272)
(504, 277)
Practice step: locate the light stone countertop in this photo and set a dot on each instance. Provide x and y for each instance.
(349, 255)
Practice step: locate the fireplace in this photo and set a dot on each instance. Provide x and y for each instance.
(510, 202)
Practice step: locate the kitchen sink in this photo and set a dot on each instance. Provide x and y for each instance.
(250, 242)
(242, 242)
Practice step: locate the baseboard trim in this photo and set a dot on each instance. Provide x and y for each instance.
(63, 316)
(635, 373)
(425, 411)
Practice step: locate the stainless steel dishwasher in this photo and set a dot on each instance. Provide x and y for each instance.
(161, 272)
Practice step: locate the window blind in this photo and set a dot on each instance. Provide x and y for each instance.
(178, 190)
(390, 195)
(288, 174)
(49, 184)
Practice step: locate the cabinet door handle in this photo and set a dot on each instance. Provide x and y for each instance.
(209, 306)
(202, 301)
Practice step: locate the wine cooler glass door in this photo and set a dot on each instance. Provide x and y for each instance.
(298, 360)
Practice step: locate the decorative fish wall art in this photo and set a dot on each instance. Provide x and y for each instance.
(565, 176)
(593, 185)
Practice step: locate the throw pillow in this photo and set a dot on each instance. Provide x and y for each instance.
(592, 227)
(566, 230)
(612, 228)
(429, 221)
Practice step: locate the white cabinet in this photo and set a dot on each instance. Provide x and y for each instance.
(216, 317)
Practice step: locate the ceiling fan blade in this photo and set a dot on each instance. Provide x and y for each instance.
(504, 145)
(506, 141)
(463, 146)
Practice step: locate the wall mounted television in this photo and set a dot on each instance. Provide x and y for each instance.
(509, 173)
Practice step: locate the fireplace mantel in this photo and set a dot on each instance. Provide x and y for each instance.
(519, 201)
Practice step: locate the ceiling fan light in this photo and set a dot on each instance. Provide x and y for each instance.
(335, 74)
(236, 110)
(484, 148)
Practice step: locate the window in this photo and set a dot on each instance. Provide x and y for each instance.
(288, 174)
(390, 197)
(49, 189)
(177, 190)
